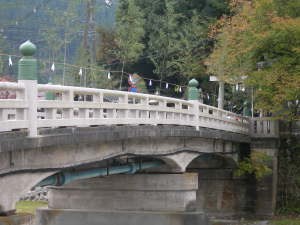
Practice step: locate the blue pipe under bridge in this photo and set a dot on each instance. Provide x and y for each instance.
(65, 177)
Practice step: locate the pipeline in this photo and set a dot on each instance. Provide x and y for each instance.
(68, 176)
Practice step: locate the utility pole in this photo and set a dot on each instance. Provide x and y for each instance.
(221, 91)
(221, 95)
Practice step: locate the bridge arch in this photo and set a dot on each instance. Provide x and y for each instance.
(213, 161)
(14, 186)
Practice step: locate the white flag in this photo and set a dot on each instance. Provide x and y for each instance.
(108, 75)
(53, 67)
(10, 61)
(80, 72)
(167, 85)
(150, 83)
(108, 2)
(180, 90)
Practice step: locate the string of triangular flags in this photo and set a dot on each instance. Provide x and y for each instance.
(177, 88)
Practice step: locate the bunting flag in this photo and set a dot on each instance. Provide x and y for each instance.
(167, 85)
(10, 61)
(80, 71)
(150, 83)
(108, 75)
(108, 3)
(53, 67)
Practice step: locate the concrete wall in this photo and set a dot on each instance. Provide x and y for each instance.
(221, 196)
(137, 192)
(220, 193)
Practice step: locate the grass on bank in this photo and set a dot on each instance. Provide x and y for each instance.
(295, 221)
(275, 221)
(29, 207)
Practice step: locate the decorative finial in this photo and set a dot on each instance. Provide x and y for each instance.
(193, 83)
(27, 48)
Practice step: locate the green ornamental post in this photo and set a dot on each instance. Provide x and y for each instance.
(27, 75)
(27, 64)
(193, 92)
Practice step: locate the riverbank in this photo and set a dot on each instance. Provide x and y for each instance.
(31, 206)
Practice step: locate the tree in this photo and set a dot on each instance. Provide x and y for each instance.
(175, 37)
(259, 32)
(129, 33)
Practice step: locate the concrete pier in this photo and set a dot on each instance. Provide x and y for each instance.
(148, 199)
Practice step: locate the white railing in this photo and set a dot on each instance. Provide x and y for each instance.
(13, 111)
(82, 107)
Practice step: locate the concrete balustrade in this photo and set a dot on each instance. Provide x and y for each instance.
(77, 106)
(262, 127)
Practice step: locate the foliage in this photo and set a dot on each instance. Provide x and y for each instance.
(289, 176)
(108, 46)
(295, 221)
(264, 31)
(29, 207)
(256, 164)
(175, 38)
(129, 31)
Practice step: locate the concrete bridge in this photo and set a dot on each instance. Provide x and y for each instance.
(179, 156)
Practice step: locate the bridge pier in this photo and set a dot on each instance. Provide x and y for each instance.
(160, 199)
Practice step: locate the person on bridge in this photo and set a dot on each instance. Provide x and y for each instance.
(133, 80)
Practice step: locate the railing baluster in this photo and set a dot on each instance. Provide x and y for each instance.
(20, 114)
(1, 115)
(68, 97)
